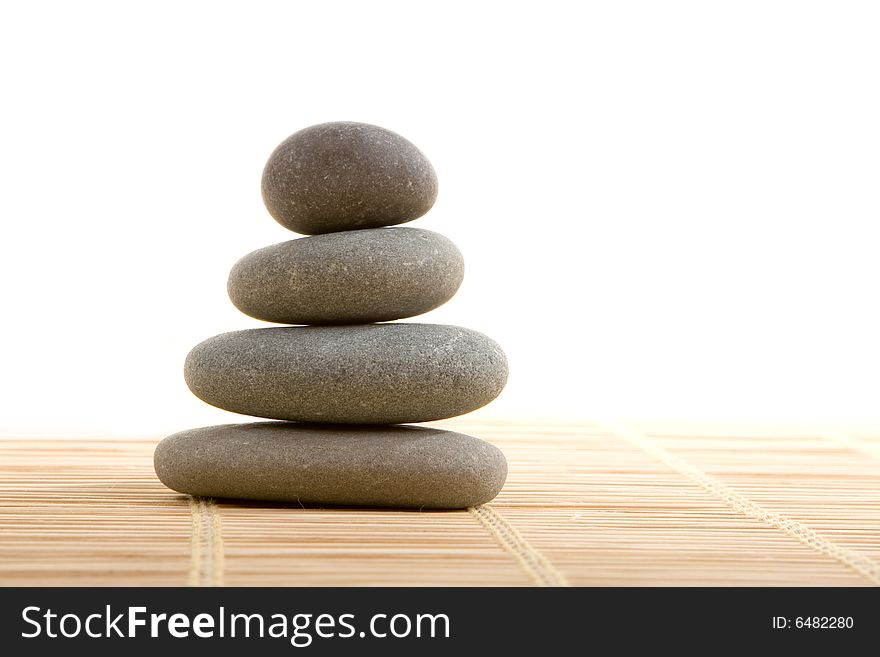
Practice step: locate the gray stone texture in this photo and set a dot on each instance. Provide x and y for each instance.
(345, 176)
(360, 465)
(364, 374)
(350, 277)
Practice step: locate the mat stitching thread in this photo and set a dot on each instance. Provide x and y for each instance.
(206, 544)
(195, 542)
(533, 562)
(794, 528)
(216, 544)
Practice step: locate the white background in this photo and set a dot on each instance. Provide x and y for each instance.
(667, 209)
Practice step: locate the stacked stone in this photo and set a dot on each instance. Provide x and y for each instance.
(340, 385)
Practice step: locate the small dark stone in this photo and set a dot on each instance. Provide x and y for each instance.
(363, 374)
(345, 176)
(415, 467)
(352, 277)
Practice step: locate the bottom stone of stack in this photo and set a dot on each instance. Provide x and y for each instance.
(323, 464)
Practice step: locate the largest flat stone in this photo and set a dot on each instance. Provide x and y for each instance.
(352, 277)
(333, 464)
(346, 176)
(365, 374)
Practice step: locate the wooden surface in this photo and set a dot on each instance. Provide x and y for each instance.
(585, 504)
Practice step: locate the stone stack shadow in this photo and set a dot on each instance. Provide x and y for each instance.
(342, 379)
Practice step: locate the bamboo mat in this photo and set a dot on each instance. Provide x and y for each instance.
(585, 504)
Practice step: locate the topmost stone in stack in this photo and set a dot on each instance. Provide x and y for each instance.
(345, 176)
(344, 184)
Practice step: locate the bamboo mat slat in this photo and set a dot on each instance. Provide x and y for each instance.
(585, 504)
